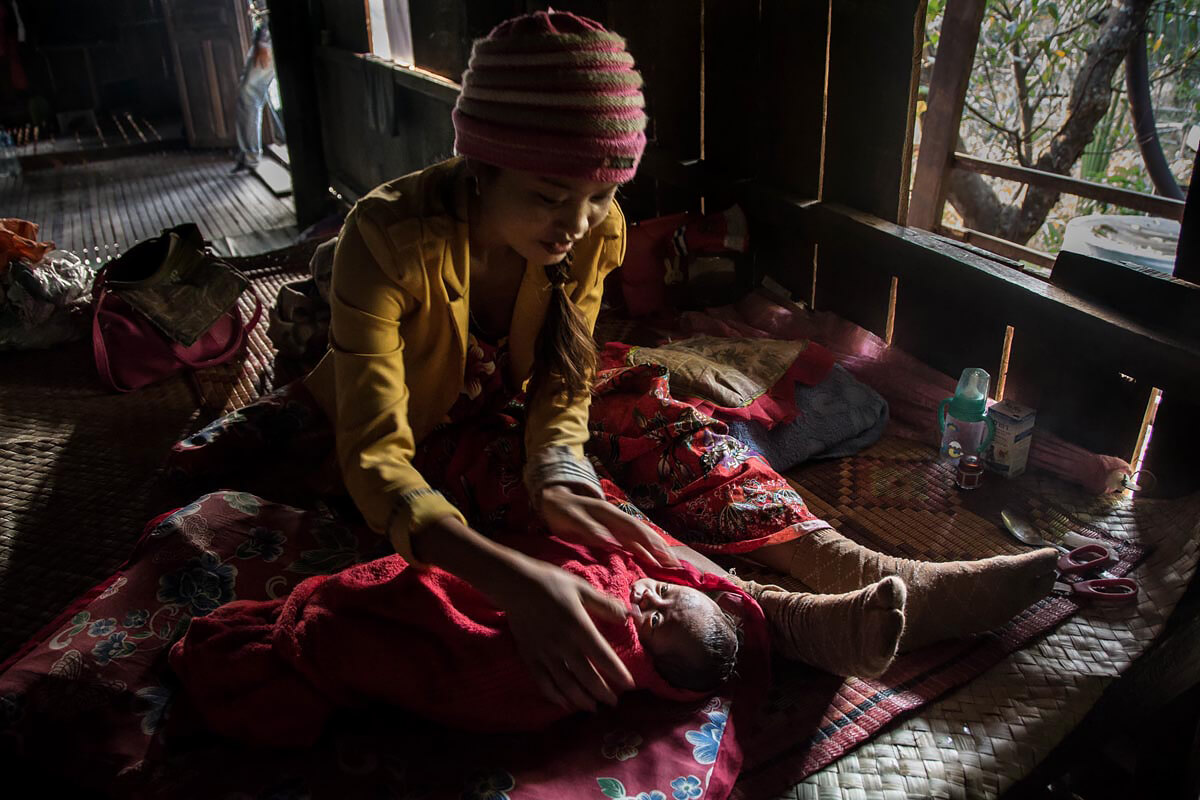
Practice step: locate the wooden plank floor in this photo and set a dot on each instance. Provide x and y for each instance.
(102, 208)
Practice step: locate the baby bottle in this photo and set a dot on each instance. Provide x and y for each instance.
(967, 430)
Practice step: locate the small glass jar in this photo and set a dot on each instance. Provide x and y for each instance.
(969, 472)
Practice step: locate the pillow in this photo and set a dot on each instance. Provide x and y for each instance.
(838, 417)
(733, 378)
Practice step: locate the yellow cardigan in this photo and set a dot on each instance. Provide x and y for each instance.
(400, 307)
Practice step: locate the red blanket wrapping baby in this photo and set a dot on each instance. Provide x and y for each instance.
(271, 673)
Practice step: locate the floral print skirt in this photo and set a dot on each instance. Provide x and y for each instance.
(659, 458)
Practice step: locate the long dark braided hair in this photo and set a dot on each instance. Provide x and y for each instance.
(565, 351)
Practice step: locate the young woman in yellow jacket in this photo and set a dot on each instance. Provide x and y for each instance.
(514, 239)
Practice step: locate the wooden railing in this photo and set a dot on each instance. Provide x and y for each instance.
(1125, 198)
(940, 138)
(1154, 205)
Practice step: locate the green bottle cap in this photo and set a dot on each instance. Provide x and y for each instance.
(970, 398)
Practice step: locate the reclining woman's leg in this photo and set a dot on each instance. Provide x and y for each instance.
(712, 492)
(852, 633)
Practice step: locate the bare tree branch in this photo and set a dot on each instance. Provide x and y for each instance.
(1068, 31)
(1181, 65)
(984, 118)
(1020, 67)
(1014, 138)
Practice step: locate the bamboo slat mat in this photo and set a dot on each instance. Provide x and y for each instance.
(229, 387)
(99, 209)
(79, 465)
(989, 733)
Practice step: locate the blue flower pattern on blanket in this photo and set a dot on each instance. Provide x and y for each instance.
(263, 543)
(115, 646)
(183, 520)
(613, 788)
(202, 584)
(686, 788)
(338, 549)
(243, 502)
(489, 786)
(620, 745)
(136, 618)
(102, 627)
(706, 742)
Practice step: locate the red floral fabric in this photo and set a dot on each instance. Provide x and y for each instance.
(666, 460)
(776, 406)
(92, 701)
(684, 471)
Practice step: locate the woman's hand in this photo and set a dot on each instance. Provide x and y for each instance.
(598, 523)
(549, 612)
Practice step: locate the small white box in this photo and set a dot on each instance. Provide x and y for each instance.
(1009, 451)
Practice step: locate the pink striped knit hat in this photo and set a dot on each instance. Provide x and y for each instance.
(555, 94)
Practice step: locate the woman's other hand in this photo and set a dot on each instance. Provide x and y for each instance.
(550, 613)
(597, 523)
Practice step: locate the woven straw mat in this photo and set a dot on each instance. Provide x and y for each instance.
(79, 465)
(983, 737)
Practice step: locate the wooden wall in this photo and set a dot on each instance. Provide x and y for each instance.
(79, 54)
(362, 153)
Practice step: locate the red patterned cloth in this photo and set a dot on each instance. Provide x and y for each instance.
(91, 698)
(671, 462)
(271, 673)
(682, 469)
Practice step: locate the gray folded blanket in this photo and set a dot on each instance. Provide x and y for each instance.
(838, 417)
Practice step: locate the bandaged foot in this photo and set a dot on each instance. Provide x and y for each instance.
(945, 599)
(855, 633)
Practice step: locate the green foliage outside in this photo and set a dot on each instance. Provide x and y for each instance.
(1028, 55)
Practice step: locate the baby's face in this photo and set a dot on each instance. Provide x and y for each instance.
(671, 619)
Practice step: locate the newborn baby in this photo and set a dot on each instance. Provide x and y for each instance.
(271, 673)
(692, 642)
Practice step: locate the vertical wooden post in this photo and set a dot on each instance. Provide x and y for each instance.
(293, 40)
(1187, 258)
(947, 92)
(871, 95)
(793, 43)
(732, 125)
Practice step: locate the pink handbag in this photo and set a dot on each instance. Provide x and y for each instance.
(132, 352)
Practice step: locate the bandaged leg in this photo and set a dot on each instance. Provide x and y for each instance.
(853, 633)
(945, 599)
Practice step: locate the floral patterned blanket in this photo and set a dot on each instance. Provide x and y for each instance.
(95, 686)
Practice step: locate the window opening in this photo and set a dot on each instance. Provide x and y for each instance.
(390, 28)
(1045, 154)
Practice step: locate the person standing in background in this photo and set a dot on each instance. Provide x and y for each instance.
(254, 91)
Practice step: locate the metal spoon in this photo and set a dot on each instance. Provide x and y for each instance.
(1023, 531)
(1088, 554)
